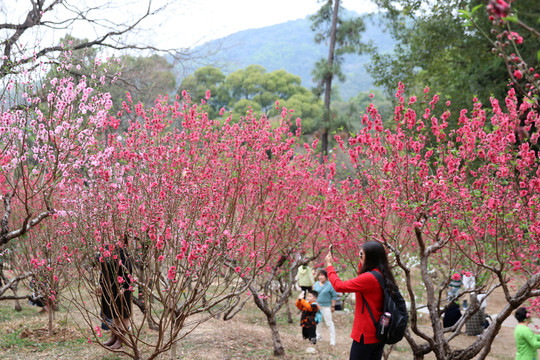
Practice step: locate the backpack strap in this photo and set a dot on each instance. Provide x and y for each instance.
(370, 313)
(380, 279)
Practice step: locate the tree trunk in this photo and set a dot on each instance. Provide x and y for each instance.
(173, 350)
(17, 304)
(387, 351)
(144, 309)
(289, 313)
(50, 313)
(328, 82)
(279, 350)
(4, 280)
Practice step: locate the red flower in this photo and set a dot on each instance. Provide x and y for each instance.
(515, 36)
(498, 8)
(171, 274)
(517, 74)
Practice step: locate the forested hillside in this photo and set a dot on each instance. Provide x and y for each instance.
(290, 46)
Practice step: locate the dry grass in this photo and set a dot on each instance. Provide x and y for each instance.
(23, 335)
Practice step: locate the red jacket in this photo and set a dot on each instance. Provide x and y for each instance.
(364, 284)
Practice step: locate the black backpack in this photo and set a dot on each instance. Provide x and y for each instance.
(399, 316)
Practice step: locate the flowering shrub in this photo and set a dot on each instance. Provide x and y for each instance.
(47, 130)
(290, 230)
(205, 206)
(46, 257)
(464, 199)
(48, 127)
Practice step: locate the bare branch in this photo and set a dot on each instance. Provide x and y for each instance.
(112, 38)
(10, 284)
(5, 238)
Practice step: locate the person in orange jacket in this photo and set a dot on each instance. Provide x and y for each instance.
(309, 308)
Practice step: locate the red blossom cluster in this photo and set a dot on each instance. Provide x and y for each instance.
(498, 8)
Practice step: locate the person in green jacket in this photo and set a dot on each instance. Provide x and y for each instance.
(527, 342)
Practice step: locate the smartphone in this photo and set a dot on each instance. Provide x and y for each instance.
(331, 247)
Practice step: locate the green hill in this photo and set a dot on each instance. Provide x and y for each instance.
(290, 46)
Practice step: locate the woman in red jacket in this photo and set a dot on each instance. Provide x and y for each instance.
(372, 257)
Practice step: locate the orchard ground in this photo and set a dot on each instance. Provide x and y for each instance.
(23, 335)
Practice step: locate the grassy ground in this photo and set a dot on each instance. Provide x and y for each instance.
(23, 335)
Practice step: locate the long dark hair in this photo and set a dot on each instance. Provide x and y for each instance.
(375, 258)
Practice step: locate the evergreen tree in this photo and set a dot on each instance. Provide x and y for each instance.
(344, 37)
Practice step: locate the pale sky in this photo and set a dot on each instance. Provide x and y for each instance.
(202, 20)
(183, 23)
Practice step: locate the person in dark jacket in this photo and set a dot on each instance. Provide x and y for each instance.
(116, 291)
(451, 315)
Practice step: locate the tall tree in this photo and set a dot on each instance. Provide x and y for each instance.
(344, 37)
(207, 78)
(435, 49)
(145, 77)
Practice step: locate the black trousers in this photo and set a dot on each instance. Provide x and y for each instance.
(306, 289)
(310, 333)
(361, 351)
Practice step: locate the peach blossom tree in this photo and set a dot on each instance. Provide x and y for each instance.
(47, 130)
(450, 201)
(299, 231)
(199, 205)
